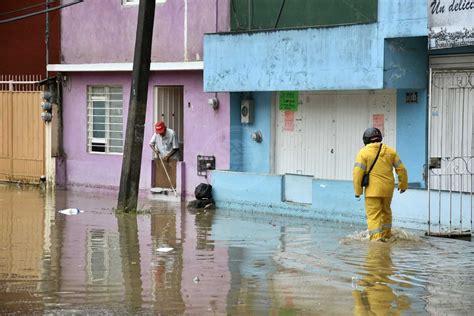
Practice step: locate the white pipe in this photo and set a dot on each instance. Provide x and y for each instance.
(429, 149)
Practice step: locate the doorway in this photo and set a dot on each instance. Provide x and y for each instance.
(168, 107)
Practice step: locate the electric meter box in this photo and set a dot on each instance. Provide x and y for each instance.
(246, 111)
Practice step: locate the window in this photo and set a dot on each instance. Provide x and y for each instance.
(105, 119)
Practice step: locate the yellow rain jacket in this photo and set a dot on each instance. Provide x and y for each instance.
(381, 179)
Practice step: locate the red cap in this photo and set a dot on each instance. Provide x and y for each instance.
(160, 127)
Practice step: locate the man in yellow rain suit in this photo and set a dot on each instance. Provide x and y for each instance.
(379, 192)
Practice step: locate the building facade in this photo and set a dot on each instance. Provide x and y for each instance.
(313, 82)
(96, 66)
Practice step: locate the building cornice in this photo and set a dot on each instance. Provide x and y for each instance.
(165, 66)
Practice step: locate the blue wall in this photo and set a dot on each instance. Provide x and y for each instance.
(406, 63)
(321, 59)
(235, 133)
(335, 197)
(406, 69)
(247, 187)
(336, 58)
(412, 135)
(332, 200)
(256, 156)
(246, 154)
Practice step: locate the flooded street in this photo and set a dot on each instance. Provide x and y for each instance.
(171, 260)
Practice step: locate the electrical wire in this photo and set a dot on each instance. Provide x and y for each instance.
(234, 14)
(40, 12)
(279, 14)
(27, 8)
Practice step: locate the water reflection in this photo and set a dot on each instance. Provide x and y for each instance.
(376, 295)
(205, 277)
(167, 267)
(21, 244)
(203, 224)
(130, 257)
(221, 262)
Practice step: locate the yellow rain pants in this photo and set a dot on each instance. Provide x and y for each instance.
(379, 192)
(379, 217)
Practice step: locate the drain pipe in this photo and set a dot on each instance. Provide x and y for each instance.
(429, 150)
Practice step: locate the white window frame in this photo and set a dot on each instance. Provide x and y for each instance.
(105, 141)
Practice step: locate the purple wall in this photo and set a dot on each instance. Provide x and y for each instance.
(83, 168)
(206, 132)
(103, 31)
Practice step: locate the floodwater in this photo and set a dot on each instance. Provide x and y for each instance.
(170, 260)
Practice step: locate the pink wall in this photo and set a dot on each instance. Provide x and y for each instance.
(206, 132)
(103, 31)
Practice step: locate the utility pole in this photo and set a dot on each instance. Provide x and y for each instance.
(132, 154)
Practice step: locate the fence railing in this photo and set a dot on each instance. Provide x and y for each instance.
(20, 83)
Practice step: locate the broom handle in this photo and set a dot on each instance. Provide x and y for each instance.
(166, 172)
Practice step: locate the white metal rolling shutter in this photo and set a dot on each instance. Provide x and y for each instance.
(327, 133)
(452, 131)
(451, 144)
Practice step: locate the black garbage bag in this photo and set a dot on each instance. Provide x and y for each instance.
(203, 191)
(203, 194)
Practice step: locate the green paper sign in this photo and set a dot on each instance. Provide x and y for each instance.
(289, 101)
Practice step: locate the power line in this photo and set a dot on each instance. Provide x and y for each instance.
(40, 12)
(27, 8)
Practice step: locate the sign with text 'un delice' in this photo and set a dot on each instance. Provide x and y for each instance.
(288, 101)
(451, 23)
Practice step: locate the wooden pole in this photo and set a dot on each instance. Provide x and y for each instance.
(132, 154)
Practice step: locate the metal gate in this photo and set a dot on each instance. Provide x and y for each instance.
(451, 151)
(21, 130)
